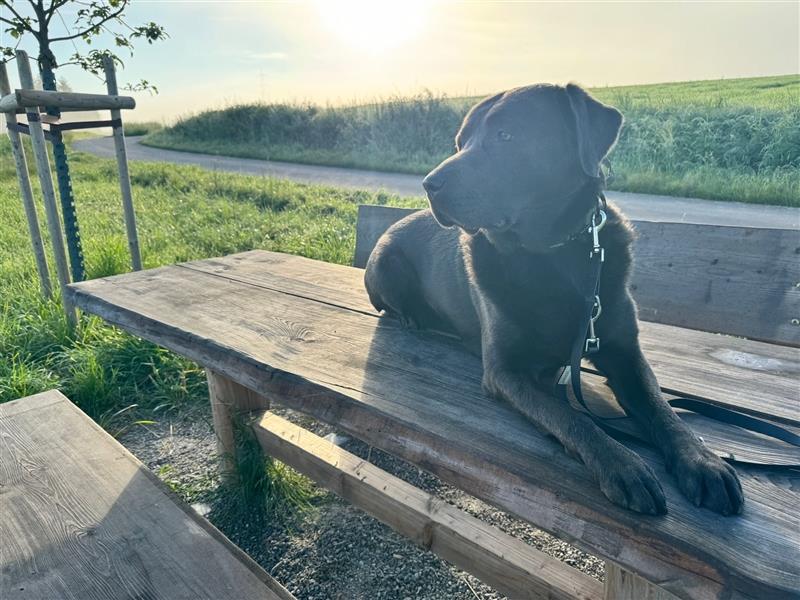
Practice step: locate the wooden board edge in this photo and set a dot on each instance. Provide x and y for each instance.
(511, 566)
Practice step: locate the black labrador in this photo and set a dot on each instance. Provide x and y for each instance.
(499, 260)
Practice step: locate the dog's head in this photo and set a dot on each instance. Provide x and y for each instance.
(521, 156)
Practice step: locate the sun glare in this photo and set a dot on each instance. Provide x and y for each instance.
(373, 25)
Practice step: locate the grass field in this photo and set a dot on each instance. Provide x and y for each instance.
(729, 140)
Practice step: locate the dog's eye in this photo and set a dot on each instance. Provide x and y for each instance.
(503, 136)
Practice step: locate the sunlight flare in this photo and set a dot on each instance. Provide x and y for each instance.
(374, 25)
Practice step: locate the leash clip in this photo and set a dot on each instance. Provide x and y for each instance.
(595, 231)
(592, 344)
(595, 228)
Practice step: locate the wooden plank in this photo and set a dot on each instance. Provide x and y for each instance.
(735, 280)
(39, 147)
(752, 376)
(418, 396)
(227, 397)
(623, 585)
(33, 99)
(121, 154)
(21, 165)
(509, 565)
(83, 519)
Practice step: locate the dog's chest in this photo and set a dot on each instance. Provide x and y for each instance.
(539, 299)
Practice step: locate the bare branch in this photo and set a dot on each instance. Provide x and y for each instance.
(52, 10)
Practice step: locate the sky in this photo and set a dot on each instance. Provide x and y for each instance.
(343, 51)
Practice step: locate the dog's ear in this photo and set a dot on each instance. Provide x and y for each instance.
(597, 126)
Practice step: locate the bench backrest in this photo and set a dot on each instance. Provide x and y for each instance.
(733, 280)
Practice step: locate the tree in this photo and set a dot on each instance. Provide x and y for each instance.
(90, 19)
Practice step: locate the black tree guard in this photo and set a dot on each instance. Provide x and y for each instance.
(68, 214)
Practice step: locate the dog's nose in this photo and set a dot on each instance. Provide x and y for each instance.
(432, 183)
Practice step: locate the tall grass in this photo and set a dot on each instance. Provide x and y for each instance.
(696, 139)
(142, 127)
(400, 134)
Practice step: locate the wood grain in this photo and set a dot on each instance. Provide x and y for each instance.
(82, 519)
(752, 376)
(418, 396)
(510, 566)
(623, 585)
(734, 280)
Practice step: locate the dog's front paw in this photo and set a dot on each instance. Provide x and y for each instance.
(708, 481)
(630, 483)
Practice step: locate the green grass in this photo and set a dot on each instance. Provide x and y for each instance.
(142, 128)
(183, 213)
(729, 140)
(770, 93)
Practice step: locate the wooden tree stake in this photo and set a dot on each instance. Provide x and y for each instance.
(122, 165)
(48, 191)
(18, 150)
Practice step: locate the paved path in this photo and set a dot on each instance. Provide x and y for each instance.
(643, 207)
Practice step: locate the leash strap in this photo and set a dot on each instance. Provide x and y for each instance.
(586, 342)
(733, 417)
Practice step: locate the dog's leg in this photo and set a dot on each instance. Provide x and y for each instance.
(623, 476)
(702, 476)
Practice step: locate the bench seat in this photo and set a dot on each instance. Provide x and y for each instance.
(81, 518)
(302, 333)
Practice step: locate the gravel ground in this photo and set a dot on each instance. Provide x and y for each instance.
(333, 551)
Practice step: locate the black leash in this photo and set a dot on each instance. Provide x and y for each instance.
(587, 342)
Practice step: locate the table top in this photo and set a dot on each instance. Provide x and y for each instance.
(303, 333)
(81, 518)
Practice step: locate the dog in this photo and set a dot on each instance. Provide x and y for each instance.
(499, 260)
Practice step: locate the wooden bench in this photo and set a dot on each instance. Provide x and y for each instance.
(274, 327)
(81, 518)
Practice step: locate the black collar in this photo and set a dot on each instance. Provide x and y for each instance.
(586, 226)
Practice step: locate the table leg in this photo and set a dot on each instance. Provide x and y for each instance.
(624, 585)
(227, 399)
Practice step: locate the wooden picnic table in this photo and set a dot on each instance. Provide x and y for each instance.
(303, 333)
